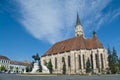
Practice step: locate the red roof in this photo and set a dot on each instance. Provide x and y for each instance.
(4, 57)
(20, 63)
(75, 43)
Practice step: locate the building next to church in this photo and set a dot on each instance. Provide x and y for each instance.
(18, 67)
(12, 66)
(4, 61)
(76, 52)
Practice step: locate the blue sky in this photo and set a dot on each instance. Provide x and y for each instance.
(33, 26)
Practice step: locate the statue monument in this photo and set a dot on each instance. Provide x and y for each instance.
(36, 68)
(37, 64)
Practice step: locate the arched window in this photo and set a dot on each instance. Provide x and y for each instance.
(91, 61)
(79, 62)
(83, 61)
(69, 61)
(63, 59)
(55, 63)
(101, 60)
(97, 60)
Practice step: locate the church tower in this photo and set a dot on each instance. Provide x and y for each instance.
(78, 27)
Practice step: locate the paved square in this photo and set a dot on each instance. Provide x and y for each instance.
(58, 77)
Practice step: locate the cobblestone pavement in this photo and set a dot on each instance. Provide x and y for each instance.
(58, 77)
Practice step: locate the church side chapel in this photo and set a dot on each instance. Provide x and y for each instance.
(78, 53)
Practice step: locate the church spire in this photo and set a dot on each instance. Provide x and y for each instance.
(78, 20)
(78, 30)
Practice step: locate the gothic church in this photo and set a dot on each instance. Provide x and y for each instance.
(76, 52)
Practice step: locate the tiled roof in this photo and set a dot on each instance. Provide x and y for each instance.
(20, 63)
(4, 57)
(75, 43)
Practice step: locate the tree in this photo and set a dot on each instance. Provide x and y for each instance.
(119, 64)
(88, 66)
(64, 67)
(2, 68)
(114, 61)
(50, 67)
(109, 59)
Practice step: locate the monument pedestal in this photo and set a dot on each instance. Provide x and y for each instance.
(36, 69)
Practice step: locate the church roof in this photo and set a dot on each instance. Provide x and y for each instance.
(75, 43)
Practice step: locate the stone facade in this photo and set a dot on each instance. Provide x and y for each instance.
(75, 61)
(76, 52)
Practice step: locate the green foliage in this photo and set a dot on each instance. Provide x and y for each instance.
(64, 67)
(2, 68)
(88, 66)
(50, 67)
(109, 57)
(113, 61)
(119, 64)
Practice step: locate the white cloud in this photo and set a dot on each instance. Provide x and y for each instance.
(114, 14)
(53, 20)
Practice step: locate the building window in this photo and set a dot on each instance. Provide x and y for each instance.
(63, 59)
(79, 62)
(102, 60)
(55, 63)
(83, 61)
(91, 61)
(97, 60)
(69, 61)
